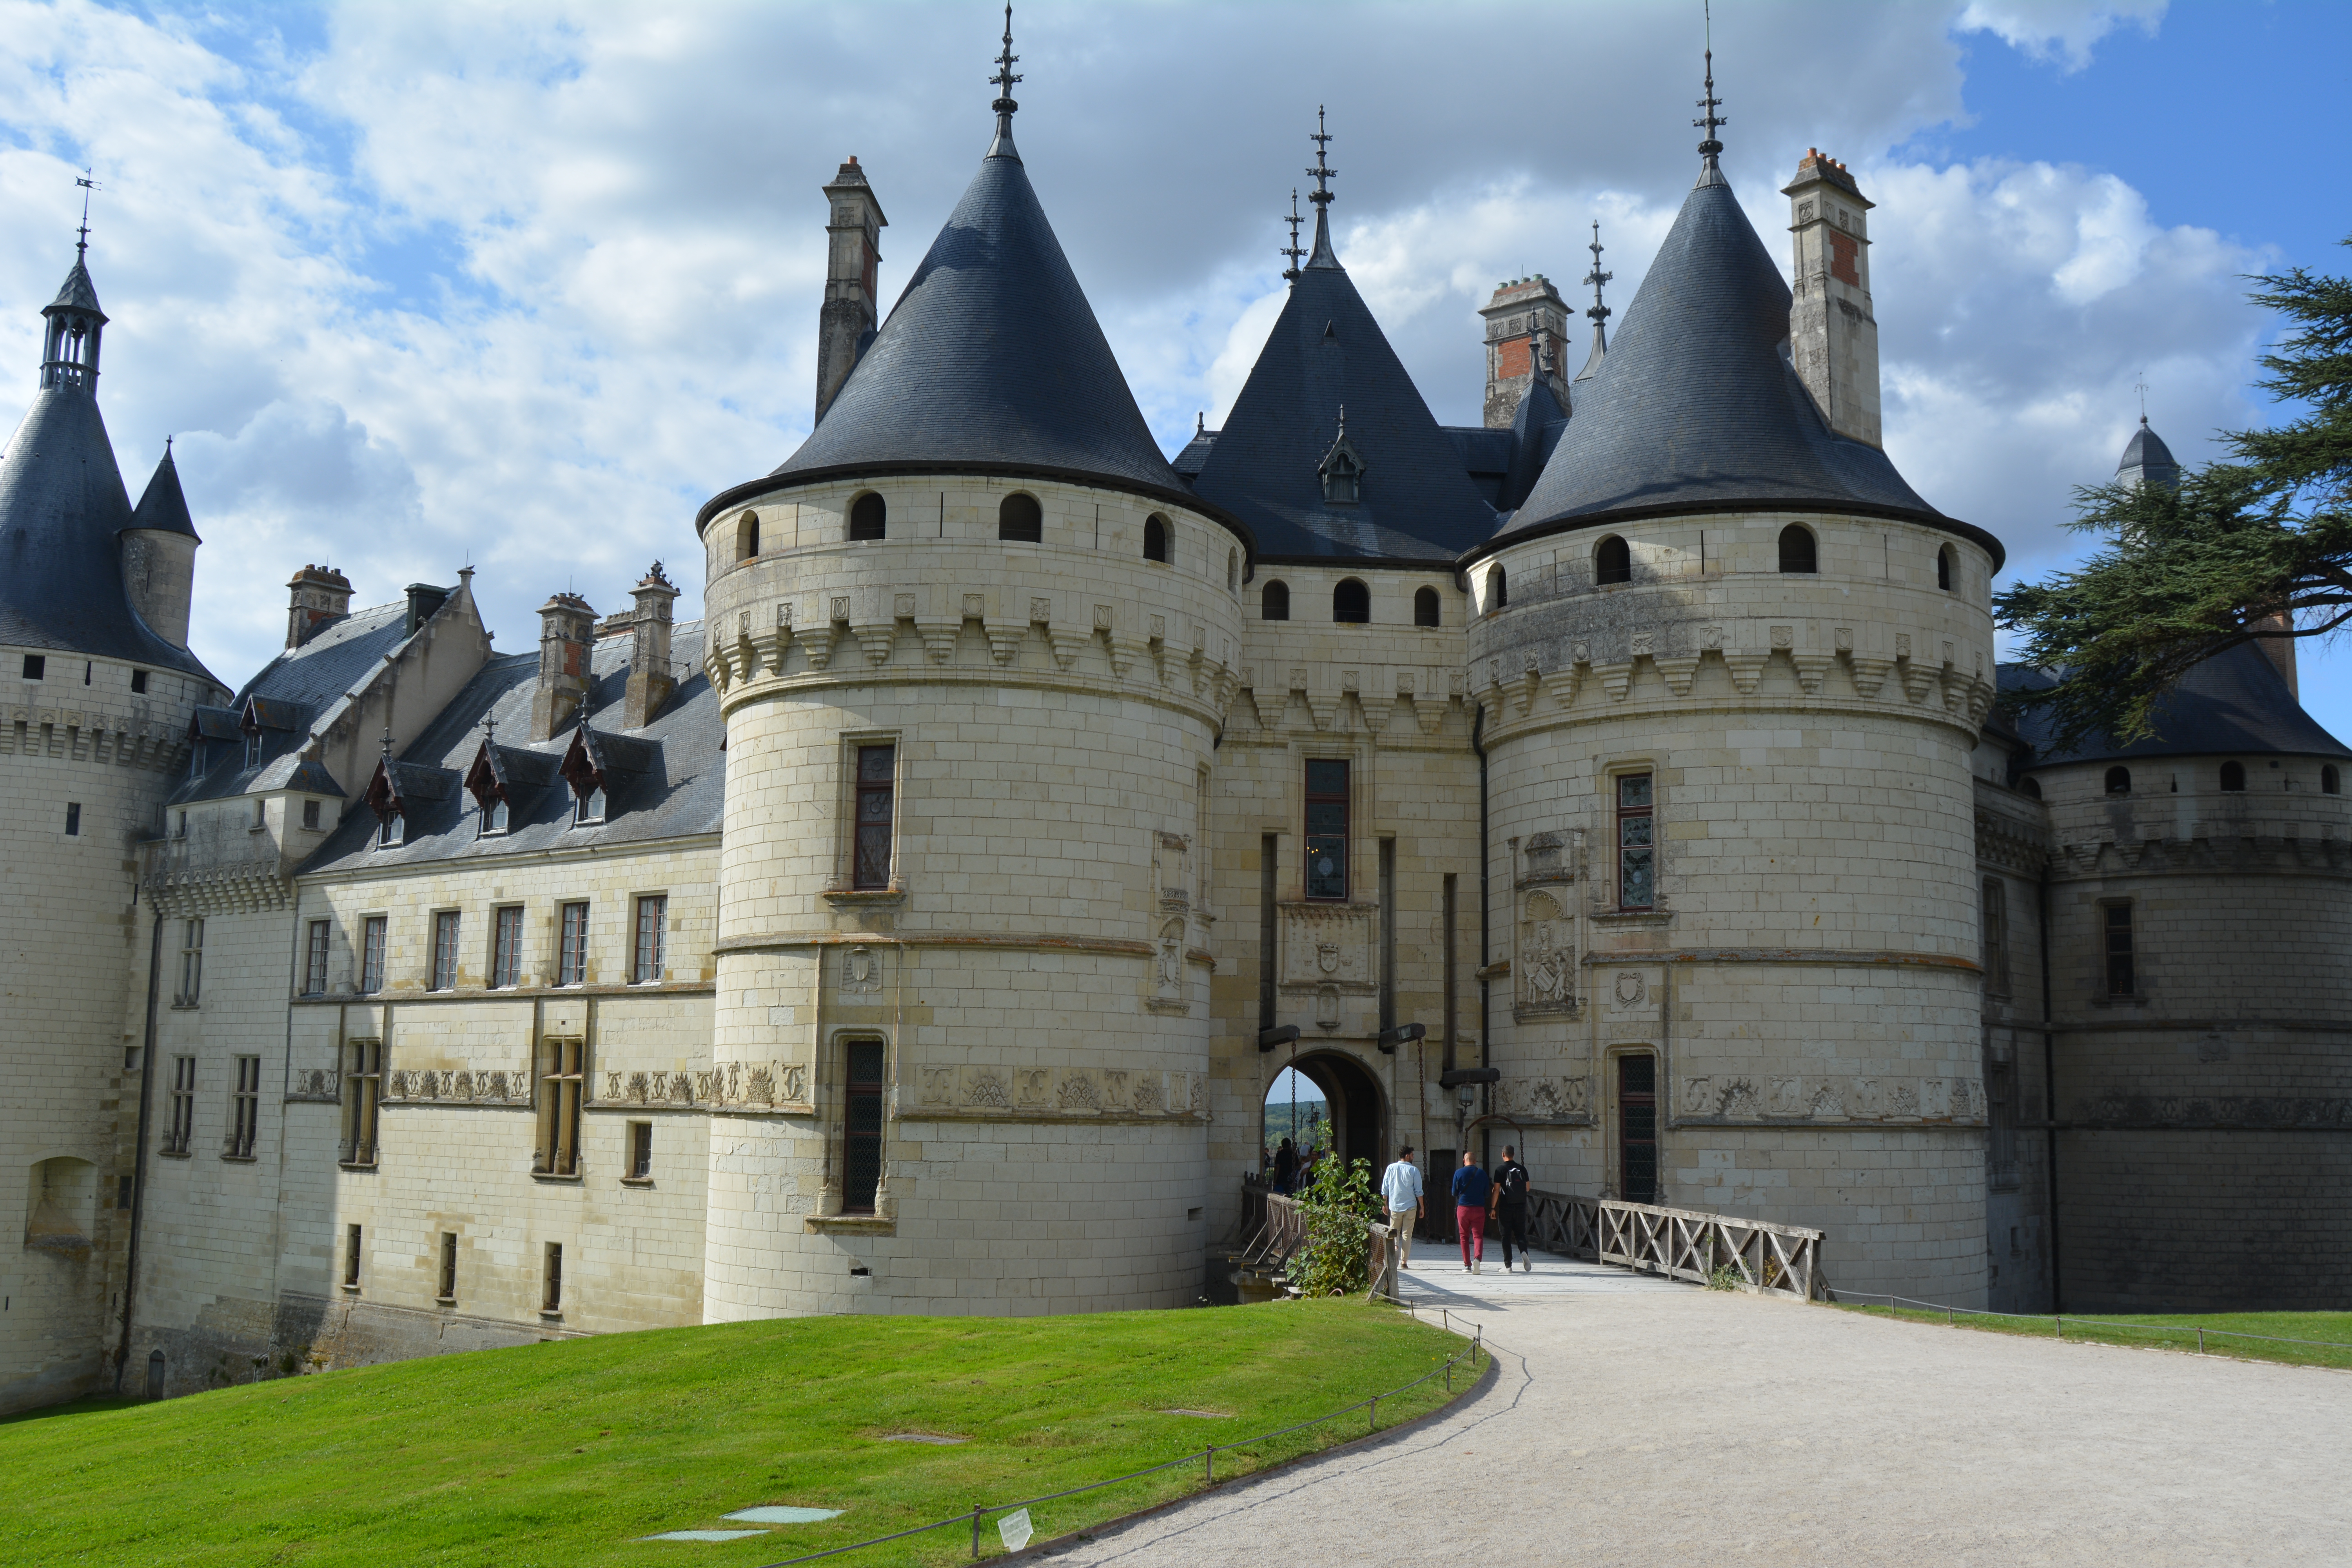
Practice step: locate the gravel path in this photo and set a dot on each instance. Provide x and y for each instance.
(1635, 1421)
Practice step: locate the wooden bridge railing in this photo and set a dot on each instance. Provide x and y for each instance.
(1752, 1255)
(1274, 1229)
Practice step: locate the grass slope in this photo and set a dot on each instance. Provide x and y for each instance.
(2175, 1331)
(561, 1454)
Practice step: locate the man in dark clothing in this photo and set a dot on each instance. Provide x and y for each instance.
(1471, 1192)
(1511, 1184)
(1286, 1165)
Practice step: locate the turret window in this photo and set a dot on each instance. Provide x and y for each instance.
(1232, 570)
(36, 666)
(1797, 552)
(1351, 602)
(1424, 607)
(2117, 923)
(1020, 520)
(2119, 781)
(2233, 776)
(1499, 589)
(1637, 852)
(877, 769)
(1944, 569)
(2330, 781)
(1613, 561)
(138, 682)
(747, 536)
(868, 517)
(1155, 539)
(1273, 601)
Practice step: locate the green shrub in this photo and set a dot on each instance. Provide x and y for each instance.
(1339, 1209)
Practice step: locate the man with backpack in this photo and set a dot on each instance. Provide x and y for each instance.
(1511, 1184)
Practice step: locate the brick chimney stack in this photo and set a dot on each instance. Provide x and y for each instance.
(652, 677)
(1522, 313)
(566, 626)
(1832, 335)
(853, 257)
(321, 595)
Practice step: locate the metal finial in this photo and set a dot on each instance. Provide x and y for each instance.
(81, 243)
(1004, 78)
(489, 727)
(1321, 171)
(1710, 121)
(1292, 250)
(1599, 313)
(387, 741)
(2142, 384)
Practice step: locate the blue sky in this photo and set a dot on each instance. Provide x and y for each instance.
(426, 283)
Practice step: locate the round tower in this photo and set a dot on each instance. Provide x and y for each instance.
(94, 702)
(974, 642)
(1730, 668)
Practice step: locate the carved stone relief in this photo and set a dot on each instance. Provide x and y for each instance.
(1328, 945)
(1841, 1100)
(861, 971)
(1546, 959)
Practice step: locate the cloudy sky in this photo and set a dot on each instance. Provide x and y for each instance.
(417, 284)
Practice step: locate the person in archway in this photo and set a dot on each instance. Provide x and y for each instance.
(1472, 1193)
(1286, 1165)
(1400, 1185)
(1511, 1184)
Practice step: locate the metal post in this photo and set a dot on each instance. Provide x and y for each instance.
(1209, 1464)
(2058, 1324)
(2200, 1340)
(975, 1533)
(1374, 1423)
(1951, 1318)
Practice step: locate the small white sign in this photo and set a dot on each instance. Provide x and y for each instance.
(1014, 1528)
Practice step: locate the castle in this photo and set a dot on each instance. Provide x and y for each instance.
(920, 929)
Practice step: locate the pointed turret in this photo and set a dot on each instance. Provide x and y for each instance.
(991, 361)
(1409, 497)
(65, 514)
(159, 555)
(2147, 460)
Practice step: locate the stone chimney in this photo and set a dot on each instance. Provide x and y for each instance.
(852, 254)
(424, 600)
(652, 677)
(565, 625)
(321, 594)
(1521, 313)
(1832, 335)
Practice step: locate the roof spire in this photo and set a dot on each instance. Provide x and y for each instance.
(1321, 196)
(1599, 313)
(1292, 250)
(81, 240)
(1004, 105)
(2142, 385)
(1711, 122)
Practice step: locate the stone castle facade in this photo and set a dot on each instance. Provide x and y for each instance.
(920, 929)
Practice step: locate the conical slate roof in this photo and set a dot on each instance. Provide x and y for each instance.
(61, 505)
(1536, 430)
(992, 360)
(1325, 352)
(2147, 460)
(2235, 703)
(77, 293)
(1695, 406)
(164, 507)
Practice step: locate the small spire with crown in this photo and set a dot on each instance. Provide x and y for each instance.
(1290, 273)
(1712, 148)
(1599, 313)
(1005, 106)
(1321, 196)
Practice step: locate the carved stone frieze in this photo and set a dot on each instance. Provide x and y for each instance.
(1327, 946)
(1743, 1100)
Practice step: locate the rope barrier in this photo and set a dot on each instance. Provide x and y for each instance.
(1208, 1458)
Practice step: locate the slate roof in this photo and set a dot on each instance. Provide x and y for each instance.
(1326, 350)
(289, 694)
(1485, 457)
(991, 361)
(2234, 704)
(62, 504)
(1695, 406)
(2147, 459)
(164, 507)
(677, 789)
(76, 294)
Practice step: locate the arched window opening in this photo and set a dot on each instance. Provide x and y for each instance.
(1155, 539)
(1499, 589)
(1797, 550)
(2330, 781)
(2119, 781)
(1232, 570)
(1274, 604)
(747, 536)
(1351, 602)
(2233, 776)
(867, 516)
(1424, 607)
(2033, 788)
(1021, 519)
(1613, 561)
(1944, 569)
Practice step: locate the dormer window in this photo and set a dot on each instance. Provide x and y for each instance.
(389, 832)
(253, 749)
(1342, 470)
(588, 808)
(494, 817)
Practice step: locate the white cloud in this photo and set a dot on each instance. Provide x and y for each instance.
(2061, 31)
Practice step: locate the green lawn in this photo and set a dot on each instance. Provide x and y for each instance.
(2334, 1329)
(561, 1454)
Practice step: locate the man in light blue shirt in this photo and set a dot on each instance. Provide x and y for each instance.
(1400, 1185)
